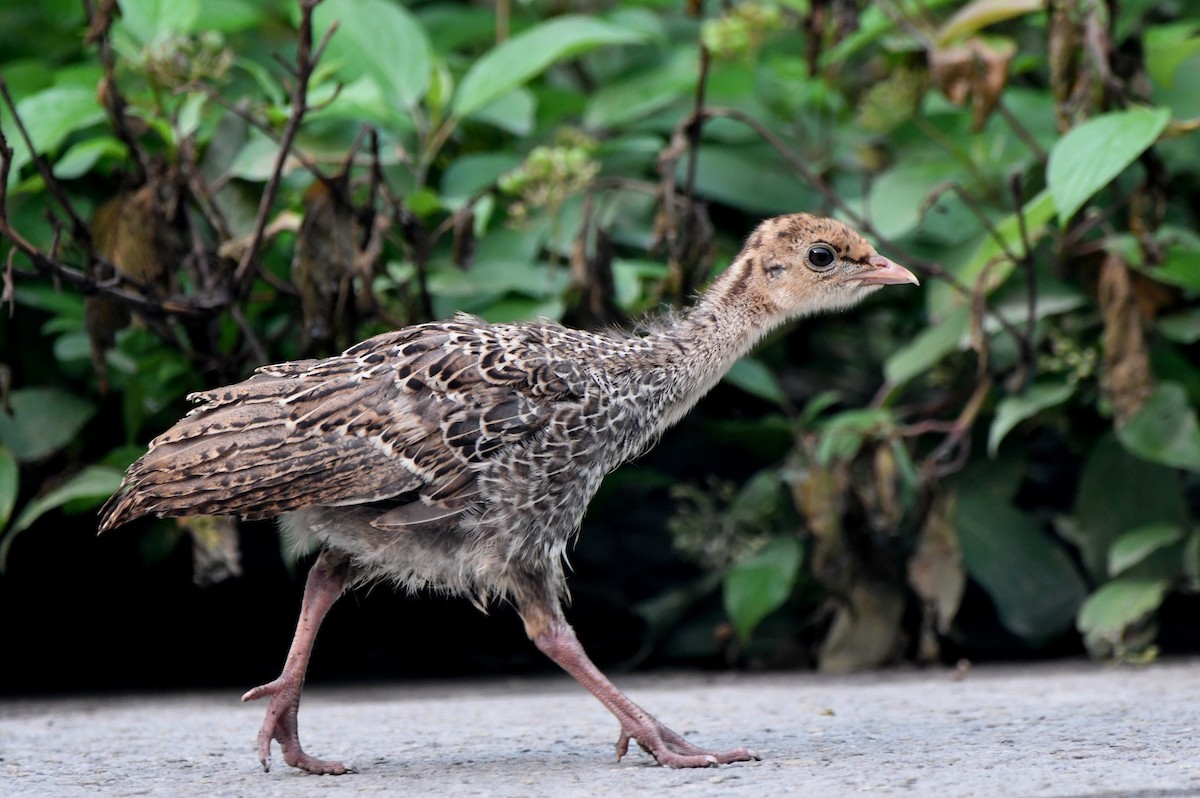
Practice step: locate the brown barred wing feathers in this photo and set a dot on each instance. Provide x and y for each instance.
(403, 412)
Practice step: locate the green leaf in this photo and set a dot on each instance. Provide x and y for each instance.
(93, 484)
(454, 26)
(843, 434)
(1107, 616)
(760, 497)
(1012, 410)
(149, 20)
(230, 16)
(873, 23)
(1134, 547)
(1182, 328)
(51, 299)
(78, 160)
(756, 379)
(898, 194)
(496, 276)
(273, 92)
(255, 161)
(512, 112)
(1181, 268)
(10, 482)
(1090, 155)
(51, 116)
(1165, 429)
(748, 178)
(628, 278)
(424, 202)
(1053, 299)
(989, 256)
(528, 54)
(816, 406)
(473, 173)
(1030, 578)
(1118, 493)
(508, 244)
(362, 100)
(759, 585)
(381, 40)
(190, 113)
(928, 348)
(73, 346)
(43, 421)
(643, 92)
(521, 308)
(1167, 47)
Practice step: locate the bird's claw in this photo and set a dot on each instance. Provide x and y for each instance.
(670, 749)
(281, 724)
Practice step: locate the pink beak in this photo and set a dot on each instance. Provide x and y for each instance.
(886, 273)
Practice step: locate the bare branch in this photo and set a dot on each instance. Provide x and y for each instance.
(305, 63)
(116, 287)
(969, 200)
(256, 346)
(195, 305)
(263, 127)
(952, 453)
(1022, 132)
(79, 228)
(200, 189)
(7, 294)
(1025, 342)
(99, 22)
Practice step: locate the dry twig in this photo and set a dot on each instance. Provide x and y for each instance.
(306, 60)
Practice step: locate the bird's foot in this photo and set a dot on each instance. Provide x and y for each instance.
(281, 724)
(670, 749)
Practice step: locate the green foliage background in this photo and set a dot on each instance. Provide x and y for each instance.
(195, 188)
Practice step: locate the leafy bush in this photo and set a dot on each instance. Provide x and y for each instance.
(192, 189)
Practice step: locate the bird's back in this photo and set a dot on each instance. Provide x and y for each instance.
(422, 414)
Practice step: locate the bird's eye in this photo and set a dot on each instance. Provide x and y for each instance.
(821, 257)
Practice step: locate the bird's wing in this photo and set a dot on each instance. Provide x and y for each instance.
(404, 412)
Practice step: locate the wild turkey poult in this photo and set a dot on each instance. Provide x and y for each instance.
(462, 455)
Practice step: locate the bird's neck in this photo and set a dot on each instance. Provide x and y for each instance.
(693, 354)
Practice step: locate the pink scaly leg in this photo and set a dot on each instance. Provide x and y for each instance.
(556, 639)
(326, 582)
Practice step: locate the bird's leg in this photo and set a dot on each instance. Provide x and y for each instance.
(326, 582)
(551, 633)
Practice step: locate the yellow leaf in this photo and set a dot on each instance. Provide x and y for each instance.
(975, 16)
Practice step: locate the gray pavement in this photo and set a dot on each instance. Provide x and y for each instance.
(1076, 729)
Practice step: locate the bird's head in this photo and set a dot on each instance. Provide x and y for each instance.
(801, 264)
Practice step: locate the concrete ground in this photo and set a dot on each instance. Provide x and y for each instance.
(1075, 729)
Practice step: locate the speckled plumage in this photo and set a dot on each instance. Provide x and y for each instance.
(462, 455)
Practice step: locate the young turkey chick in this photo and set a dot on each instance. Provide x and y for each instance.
(462, 455)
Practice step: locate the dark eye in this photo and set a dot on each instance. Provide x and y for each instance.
(821, 256)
